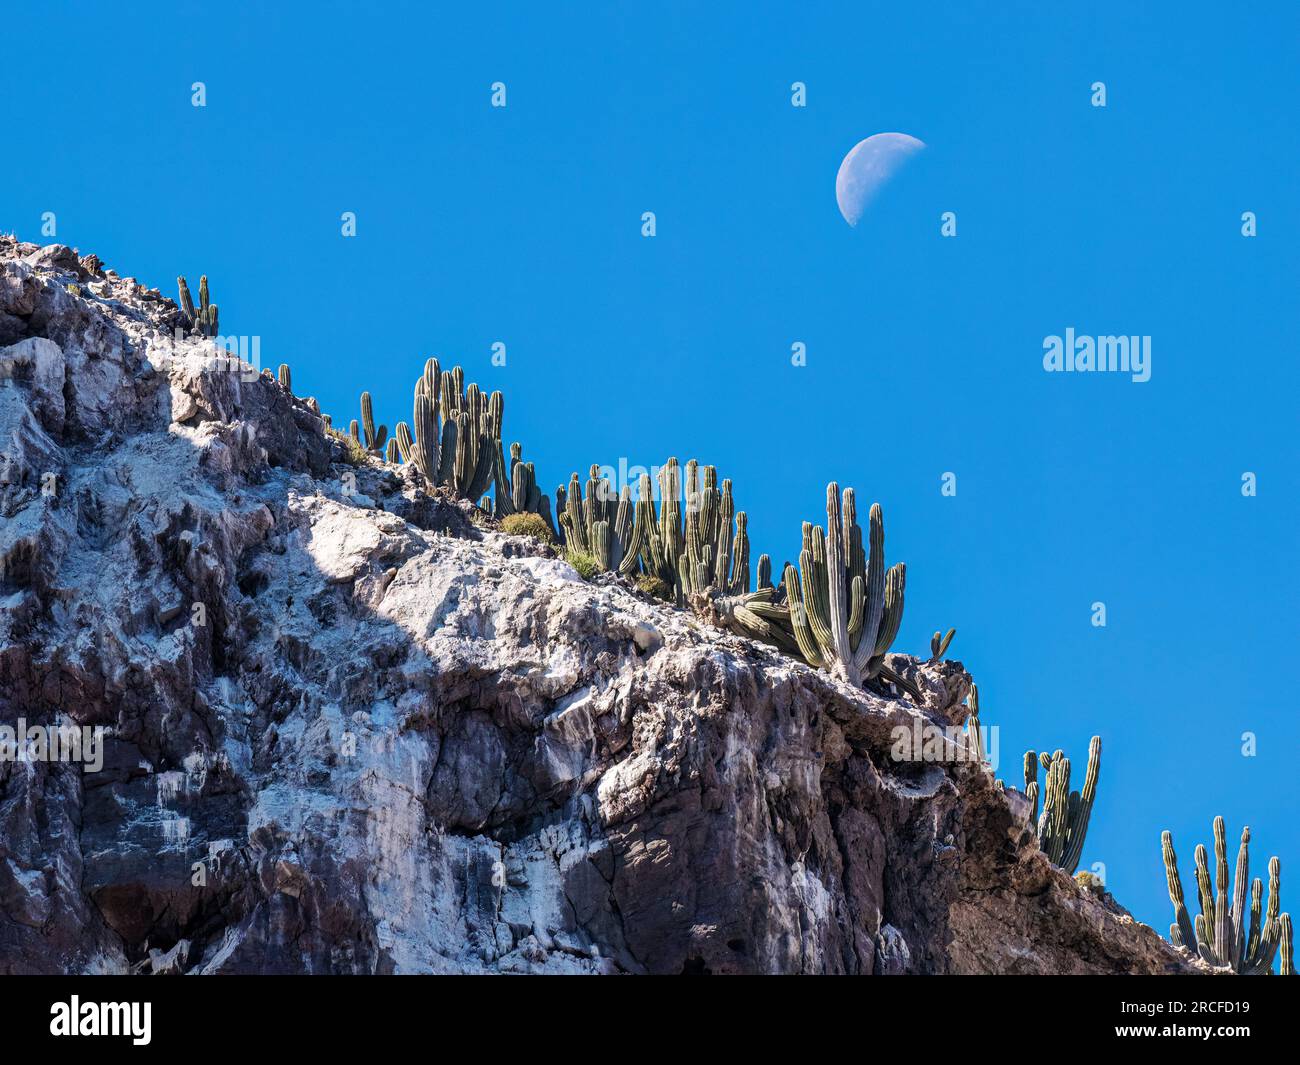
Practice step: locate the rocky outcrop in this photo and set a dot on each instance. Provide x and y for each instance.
(352, 728)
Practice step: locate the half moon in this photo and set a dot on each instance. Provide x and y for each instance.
(866, 169)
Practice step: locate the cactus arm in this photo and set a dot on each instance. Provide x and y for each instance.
(1184, 926)
(1079, 822)
(803, 633)
(837, 612)
(1238, 945)
(368, 421)
(874, 606)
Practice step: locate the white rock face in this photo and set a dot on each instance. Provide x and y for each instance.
(361, 731)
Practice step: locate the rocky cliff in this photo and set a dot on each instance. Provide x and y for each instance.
(351, 727)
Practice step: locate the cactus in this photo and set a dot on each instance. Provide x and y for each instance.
(1063, 823)
(974, 739)
(845, 607)
(1287, 965)
(939, 644)
(187, 301)
(404, 443)
(354, 431)
(285, 377)
(392, 454)
(591, 526)
(329, 422)
(844, 625)
(516, 488)
(463, 454)
(689, 544)
(1182, 933)
(1031, 783)
(202, 320)
(425, 447)
(1219, 935)
(368, 421)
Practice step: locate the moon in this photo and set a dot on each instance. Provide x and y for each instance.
(868, 167)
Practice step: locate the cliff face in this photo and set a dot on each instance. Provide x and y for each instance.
(352, 728)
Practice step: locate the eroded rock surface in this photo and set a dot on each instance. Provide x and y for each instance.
(353, 729)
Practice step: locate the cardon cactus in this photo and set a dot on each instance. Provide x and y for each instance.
(517, 491)
(697, 544)
(1220, 934)
(457, 432)
(374, 439)
(974, 735)
(939, 644)
(840, 610)
(354, 430)
(368, 421)
(592, 525)
(404, 443)
(1063, 823)
(285, 377)
(202, 320)
(1287, 965)
(392, 454)
(844, 605)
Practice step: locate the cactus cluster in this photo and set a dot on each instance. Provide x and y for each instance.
(1220, 934)
(939, 644)
(203, 319)
(593, 526)
(844, 605)
(374, 438)
(1063, 823)
(517, 491)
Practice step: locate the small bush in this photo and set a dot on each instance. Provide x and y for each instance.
(1089, 882)
(654, 586)
(586, 566)
(527, 525)
(353, 453)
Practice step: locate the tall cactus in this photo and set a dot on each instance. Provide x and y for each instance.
(845, 607)
(426, 446)
(285, 376)
(1220, 934)
(516, 488)
(939, 644)
(457, 432)
(368, 421)
(1063, 823)
(392, 454)
(696, 543)
(204, 318)
(187, 301)
(593, 524)
(403, 442)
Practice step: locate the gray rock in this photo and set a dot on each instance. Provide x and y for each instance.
(378, 736)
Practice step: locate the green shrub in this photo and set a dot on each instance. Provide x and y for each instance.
(353, 453)
(586, 566)
(526, 524)
(654, 586)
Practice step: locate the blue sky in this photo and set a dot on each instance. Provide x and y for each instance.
(522, 225)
